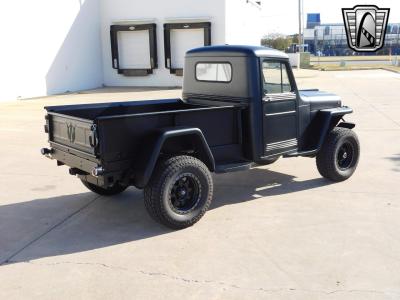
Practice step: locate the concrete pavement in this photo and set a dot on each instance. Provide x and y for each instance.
(276, 232)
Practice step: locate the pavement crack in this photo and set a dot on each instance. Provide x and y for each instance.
(360, 291)
(261, 289)
(9, 259)
(223, 284)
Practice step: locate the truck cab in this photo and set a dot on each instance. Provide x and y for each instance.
(240, 108)
(279, 120)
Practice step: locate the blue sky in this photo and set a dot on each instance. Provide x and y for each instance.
(282, 16)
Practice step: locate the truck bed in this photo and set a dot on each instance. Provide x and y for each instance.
(112, 134)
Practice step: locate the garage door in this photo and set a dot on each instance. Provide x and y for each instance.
(134, 49)
(181, 37)
(181, 42)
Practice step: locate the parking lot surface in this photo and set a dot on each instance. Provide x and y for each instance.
(275, 232)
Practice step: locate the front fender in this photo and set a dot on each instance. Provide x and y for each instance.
(330, 118)
(152, 150)
(318, 130)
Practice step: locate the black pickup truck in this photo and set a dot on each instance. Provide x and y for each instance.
(240, 108)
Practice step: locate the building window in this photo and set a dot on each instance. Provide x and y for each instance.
(214, 72)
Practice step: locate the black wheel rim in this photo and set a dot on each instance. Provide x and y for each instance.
(345, 156)
(185, 193)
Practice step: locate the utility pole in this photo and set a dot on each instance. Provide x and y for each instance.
(300, 43)
(300, 39)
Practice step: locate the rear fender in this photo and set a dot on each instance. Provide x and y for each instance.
(170, 138)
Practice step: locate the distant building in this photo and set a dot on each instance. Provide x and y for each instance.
(331, 40)
(313, 20)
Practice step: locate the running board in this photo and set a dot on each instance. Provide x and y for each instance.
(234, 167)
(307, 153)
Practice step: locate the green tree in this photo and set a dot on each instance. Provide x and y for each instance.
(279, 41)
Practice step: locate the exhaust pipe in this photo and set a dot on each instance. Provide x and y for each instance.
(99, 171)
(46, 151)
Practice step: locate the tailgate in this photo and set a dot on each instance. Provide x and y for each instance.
(72, 132)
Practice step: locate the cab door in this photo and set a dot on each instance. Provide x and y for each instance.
(279, 108)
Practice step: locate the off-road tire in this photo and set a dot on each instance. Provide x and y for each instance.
(328, 162)
(111, 191)
(159, 195)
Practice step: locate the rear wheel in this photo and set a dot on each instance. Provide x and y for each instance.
(338, 158)
(179, 192)
(110, 191)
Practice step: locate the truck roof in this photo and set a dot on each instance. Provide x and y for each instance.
(236, 50)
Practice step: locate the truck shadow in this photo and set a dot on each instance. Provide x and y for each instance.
(238, 187)
(84, 222)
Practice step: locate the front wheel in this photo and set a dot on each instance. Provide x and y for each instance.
(338, 158)
(110, 191)
(179, 192)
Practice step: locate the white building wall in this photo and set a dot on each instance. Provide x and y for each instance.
(243, 22)
(159, 12)
(294, 59)
(49, 47)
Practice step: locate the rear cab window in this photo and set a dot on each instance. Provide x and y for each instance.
(214, 72)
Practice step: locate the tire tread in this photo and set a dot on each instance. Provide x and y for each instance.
(326, 162)
(153, 191)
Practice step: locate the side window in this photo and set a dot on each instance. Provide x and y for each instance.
(276, 79)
